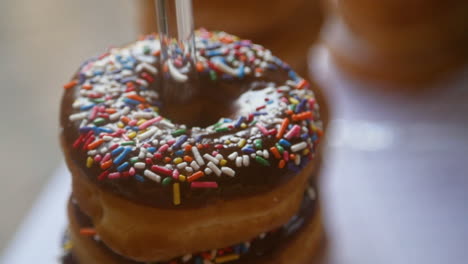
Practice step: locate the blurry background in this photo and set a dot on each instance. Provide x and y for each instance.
(42, 43)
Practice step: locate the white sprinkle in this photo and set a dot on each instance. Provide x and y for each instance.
(188, 169)
(166, 123)
(297, 160)
(198, 158)
(92, 152)
(194, 165)
(214, 168)
(152, 176)
(149, 155)
(155, 143)
(233, 156)
(114, 116)
(139, 165)
(107, 138)
(208, 171)
(182, 165)
(147, 134)
(125, 111)
(145, 115)
(228, 171)
(175, 73)
(103, 150)
(78, 116)
(187, 257)
(219, 157)
(210, 158)
(311, 193)
(245, 160)
(262, 235)
(253, 155)
(239, 161)
(146, 66)
(259, 153)
(299, 146)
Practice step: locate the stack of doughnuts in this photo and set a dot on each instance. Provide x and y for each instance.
(226, 178)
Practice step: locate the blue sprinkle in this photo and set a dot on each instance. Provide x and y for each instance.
(244, 249)
(99, 130)
(122, 155)
(180, 141)
(128, 67)
(314, 137)
(227, 77)
(271, 66)
(305, 136)
(248, 149)
(85, 129)
(198, 139)
(260, 113)
(269, 101)
(151, 149)
(81, 78)
(122, 167)
(98, 72)
(211, 53)
(283, 142)
(117, 151)
(139, 178)
(116, 71)
(87, 107)
(293, 75)
(227, 120)
(180, 152)
(131, 101)
(128, 79)
(301, 106)
(239, 121)
(241, 72)
(293, 167)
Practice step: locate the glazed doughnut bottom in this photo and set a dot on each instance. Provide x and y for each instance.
(302, 247)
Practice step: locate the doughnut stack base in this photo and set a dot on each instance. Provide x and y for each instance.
(224, 174)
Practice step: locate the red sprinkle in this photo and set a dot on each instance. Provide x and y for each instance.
(87, 231)
(103, 175)
(203, 185)
(160, 169)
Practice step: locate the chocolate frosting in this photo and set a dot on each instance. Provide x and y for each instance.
(261, 101)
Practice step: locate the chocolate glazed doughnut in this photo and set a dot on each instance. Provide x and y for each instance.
(155, 189)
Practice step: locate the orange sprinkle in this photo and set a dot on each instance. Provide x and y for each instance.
(199, 146)
(259, 70)
(200, 67)
(106, 164)
(87, 231)
(125, 119)
(95, 144)
(87, 87)
(292, 156)
(188, 147)
(137, 97)
(156, 53)
(303, 83)
(70, 84)
(188, 159)
(289, 112)
(275, 152)
(165, 68)
(282, 129)
(195, 176)
(302, 116)
(167, 159)
(281, 164)
(110, 110)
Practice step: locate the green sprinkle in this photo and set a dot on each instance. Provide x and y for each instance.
(258, 144)
(262, 161)
(280, 148)
(253, 123)
(98, 100)
(213, 75)
(217, 125)
(179, 132)
(166, 181)
(127, 143)
(222, 129)
(134, 160)
(99, 121)
(146, 50)
(292, 107)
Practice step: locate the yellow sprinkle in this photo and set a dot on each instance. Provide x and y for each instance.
(223, 162)
(120, 125)
(177, 160)
(89, 162)
(68, 245)
(293, 100)
(243, 125)
(242, 143)
(227, 258)
(176, 193)
(132, 134)
(141, 121)
(305, 152)
(155, 108)
(181, 178)
(227, 142)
